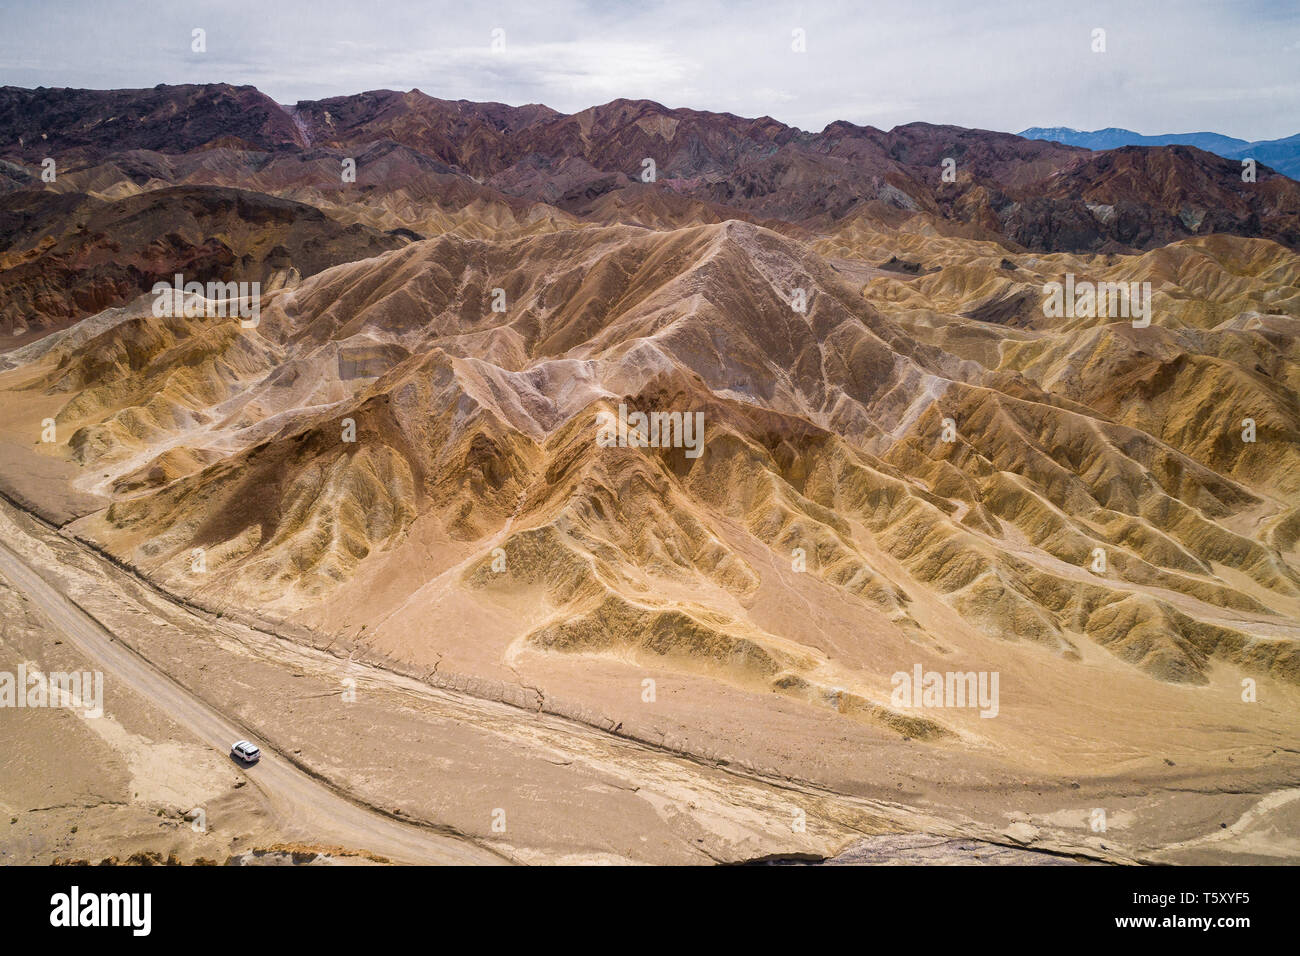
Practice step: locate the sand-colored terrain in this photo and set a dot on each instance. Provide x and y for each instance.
(445, 754)
(475, 442)
(900, 461)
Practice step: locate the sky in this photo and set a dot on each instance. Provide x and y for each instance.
(1169, 66)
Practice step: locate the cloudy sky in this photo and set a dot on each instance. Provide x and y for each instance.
(1228, 66)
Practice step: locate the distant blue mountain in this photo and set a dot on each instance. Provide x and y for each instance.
(1281, 154)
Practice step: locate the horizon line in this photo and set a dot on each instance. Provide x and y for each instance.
(765, 116)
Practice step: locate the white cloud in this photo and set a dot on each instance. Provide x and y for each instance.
(1170, 66)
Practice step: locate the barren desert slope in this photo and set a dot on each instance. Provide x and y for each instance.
(903, 460)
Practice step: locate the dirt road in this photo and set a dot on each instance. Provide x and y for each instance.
(297, 799)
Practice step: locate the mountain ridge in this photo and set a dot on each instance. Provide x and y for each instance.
(1282, 154)
(426, 166)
